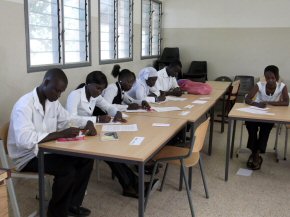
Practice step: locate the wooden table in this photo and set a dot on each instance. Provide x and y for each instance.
(117, 151)
(3, 194)
(219, 85)
(281, 116)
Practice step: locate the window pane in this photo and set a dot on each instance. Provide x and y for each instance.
(43, 32)
(146, 27)
(155, 28)
(124, 28)
(107, 31)
(76, 31)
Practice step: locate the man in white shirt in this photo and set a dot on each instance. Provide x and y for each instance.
(38, 117)
(166, 83)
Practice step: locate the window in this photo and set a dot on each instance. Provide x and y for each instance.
(151, 28)
(116, 30)
(57, 34)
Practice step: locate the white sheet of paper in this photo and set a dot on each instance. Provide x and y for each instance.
(206, 97)
(255, 111)
(184, 113)
(174, 98)
(188, 106)
(137, 140)
(124, 115)
(199, 101)
(262, 109)
(160, 125)
(118, 128)
(136, 111)
(244, 172)
(165, 109)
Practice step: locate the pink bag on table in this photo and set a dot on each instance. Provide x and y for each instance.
(193, 87)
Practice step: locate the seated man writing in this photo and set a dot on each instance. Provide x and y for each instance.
(39, 117)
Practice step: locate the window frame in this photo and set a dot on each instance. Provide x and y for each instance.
(61, 40)
(131, 35)
(150, 31)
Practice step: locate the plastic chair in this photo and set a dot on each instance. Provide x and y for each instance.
(15, 174)
(197, 71)
(183, 157)
(246, 84)
(169, 55)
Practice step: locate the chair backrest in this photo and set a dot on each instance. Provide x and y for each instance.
(169, 54)
(197, 67)
(200, 134)
(246, 84)
(236, 86)
(4, 134)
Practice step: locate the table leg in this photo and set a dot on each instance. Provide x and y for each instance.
(141, 189)
(41, 183)
(211, 131)
(228, 149)
(223, 114)
(233, 138)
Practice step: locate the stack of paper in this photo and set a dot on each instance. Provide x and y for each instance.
(166, 109)
(118, 128)
(174, 98)
(199, 101)
(256, 110)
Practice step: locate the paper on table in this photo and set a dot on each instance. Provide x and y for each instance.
(184, 113)
(254, 107)
(188, 106)
(137, 140)
(136, 110)
(160, 125)
(244, 172)
(206, 97)
(199, 101)
(165, 109)
(111, 122)
(173, 98)
(124, 115)
(118, 128)
(254, 111)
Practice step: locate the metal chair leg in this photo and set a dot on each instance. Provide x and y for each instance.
(187, 188)
(12, 197)
(180, 180)
(150, 185)
(286, 144)
(164, 176)
(203, 176)
(276, 143)
(189, 177)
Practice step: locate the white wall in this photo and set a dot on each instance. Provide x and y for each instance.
(234, 36)
(15, 81)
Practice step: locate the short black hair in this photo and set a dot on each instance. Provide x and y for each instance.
(97, 77)
(123, 74)
(56, 74)
(274, 69)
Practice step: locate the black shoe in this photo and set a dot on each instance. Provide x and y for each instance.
(78, 211)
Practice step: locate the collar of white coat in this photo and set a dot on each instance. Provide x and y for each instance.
(163, 73)
(37, 103)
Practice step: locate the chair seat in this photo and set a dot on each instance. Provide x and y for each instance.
(173, 151)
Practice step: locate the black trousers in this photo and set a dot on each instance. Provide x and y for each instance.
(71, 177)
(125, 175)
(258, 142)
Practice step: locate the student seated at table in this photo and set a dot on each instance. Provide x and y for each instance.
(116, 93)
(84, 100)
(166, 82)
(38, 117)
(272, 93)
(81, 102)
(147, 78)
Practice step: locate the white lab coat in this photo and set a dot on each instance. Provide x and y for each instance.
(29, 124)
(77, 104)
(140, 91)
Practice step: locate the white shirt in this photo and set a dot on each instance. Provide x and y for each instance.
(263, 97)
(29, 124)
(112, 91)
(140, 91)
(77, 104)
(164, 82)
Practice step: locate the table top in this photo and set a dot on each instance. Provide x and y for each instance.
(219, 85)
(154, 138)
(280, 113)
(188, 114)
(3, 175)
